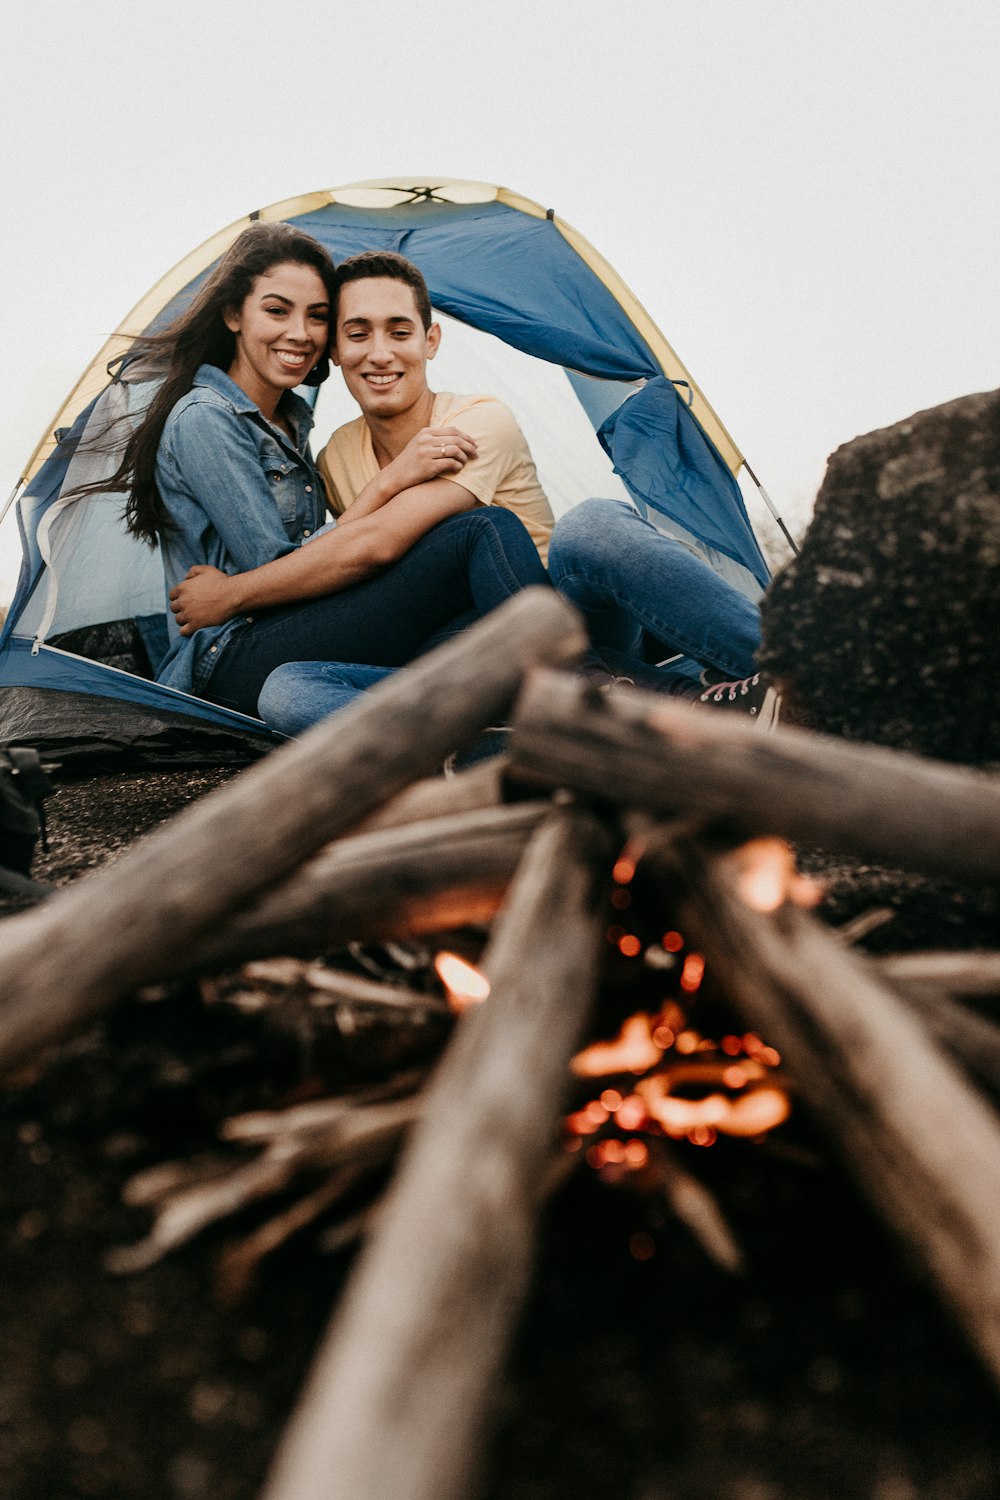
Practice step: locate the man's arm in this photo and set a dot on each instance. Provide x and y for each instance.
(432, 453)
(339, 558)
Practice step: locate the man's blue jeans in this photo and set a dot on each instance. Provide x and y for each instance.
(462, 569)
(627, 578)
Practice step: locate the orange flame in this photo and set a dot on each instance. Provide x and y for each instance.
(766, 876)
(463, 981)
(632, 1051)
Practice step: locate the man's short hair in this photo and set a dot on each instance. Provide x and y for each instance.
(372, 263)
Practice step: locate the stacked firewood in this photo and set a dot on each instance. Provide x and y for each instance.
(348, 837)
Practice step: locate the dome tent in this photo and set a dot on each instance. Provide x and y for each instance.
(86, 624)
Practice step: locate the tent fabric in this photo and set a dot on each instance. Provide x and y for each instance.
(494, 262)
(668, 465)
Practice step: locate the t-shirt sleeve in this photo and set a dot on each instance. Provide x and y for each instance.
(341, 466)
(326, 467)
(501, 443)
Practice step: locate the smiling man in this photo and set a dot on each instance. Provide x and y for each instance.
(449, 452)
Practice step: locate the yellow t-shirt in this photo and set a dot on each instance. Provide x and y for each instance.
(503, 473)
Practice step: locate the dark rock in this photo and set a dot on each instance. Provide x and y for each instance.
(886, 627)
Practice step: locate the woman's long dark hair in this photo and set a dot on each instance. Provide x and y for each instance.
(199, 337)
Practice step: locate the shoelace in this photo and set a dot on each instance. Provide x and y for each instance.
(744, 685)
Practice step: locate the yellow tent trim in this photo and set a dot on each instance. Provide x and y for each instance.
(95, 377)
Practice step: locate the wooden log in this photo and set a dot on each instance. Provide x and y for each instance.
(125, 925)
(973, 1040)
(636, 749)
(398, 1395)
(479, 787)
(919, 1140)
(392, 883)
(955, 973)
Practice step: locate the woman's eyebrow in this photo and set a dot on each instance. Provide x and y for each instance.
(278, 297)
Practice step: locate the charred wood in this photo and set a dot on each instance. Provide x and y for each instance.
(392, 883)
(919, 1140)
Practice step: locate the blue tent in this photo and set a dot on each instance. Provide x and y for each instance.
(85, 628)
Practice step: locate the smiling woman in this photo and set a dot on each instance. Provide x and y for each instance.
(280, 331)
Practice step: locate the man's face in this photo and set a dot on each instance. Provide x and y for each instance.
(381, 345)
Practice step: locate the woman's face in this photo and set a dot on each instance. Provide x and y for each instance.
(281, 332)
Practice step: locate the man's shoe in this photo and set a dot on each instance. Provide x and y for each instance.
(753, 696)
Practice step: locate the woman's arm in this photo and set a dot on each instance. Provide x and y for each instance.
(339, 558)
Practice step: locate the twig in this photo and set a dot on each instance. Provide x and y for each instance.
(361, 1138)
(697, 1208)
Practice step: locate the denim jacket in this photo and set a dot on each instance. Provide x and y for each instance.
(240, 493)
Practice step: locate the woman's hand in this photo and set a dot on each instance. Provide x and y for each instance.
(432, 453)
(206, 596)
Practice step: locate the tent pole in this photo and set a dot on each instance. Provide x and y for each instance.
(772, 508)
(10, 501)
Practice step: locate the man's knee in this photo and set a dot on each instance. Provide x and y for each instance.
(583, 535)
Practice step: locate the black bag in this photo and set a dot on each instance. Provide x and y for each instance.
(23, 789)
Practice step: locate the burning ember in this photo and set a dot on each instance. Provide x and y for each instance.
(735, 1100)
(632, 1051)
(726, 1087)
(684, 1086)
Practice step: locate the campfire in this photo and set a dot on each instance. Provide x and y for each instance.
(613, 965)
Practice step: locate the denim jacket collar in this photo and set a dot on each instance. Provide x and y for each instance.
(298, 411)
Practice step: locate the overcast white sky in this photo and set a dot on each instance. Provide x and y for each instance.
(804, 196)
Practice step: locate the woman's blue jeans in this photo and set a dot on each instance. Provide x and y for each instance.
(627, 578)
(462, 569)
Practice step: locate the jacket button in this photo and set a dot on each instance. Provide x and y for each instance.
(309, 489)
(307, 532)
(249, 619)
(212, 648)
